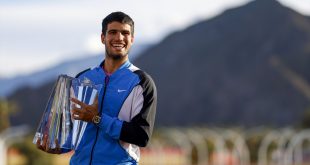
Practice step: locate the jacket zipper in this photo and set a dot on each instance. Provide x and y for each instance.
(106, 80)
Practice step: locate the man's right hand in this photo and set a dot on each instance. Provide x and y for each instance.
(45, 147)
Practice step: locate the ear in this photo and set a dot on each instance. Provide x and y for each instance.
(102, 38)
(132, 39)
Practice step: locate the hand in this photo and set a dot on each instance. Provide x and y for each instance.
(86, 112)
(44, 147)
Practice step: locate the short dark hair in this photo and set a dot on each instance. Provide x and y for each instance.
(118, 17)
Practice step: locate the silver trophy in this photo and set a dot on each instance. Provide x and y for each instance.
(56, 122)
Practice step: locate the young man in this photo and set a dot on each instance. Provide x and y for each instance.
(121, 119)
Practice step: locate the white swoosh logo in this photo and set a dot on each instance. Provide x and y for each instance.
(121, 90)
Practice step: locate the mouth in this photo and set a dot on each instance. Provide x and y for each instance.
(118, 46)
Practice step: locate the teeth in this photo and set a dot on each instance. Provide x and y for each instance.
(117, 45)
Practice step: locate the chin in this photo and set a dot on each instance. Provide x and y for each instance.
(116, 56)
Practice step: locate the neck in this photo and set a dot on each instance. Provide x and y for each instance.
(111, 65)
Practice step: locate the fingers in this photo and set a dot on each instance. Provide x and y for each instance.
(45, 147)
(77, 113)
(82, 104)
(76, 101)
(57, 149)
(39, 146)
(85, 112)
(76, 117)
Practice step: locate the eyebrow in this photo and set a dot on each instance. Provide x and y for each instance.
(116, 30)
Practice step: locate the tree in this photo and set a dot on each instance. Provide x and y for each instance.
(6, 108)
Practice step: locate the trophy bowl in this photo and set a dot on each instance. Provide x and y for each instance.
(56, 122)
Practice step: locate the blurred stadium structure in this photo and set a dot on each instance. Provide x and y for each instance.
(219, 146)
(202, 146)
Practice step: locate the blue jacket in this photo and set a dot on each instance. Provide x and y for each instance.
(127, 105)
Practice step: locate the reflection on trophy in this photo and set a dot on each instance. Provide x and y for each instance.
(56, 122)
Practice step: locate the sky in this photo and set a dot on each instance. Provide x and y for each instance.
(37, 34)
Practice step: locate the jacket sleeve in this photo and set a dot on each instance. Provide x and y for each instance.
(139, 128)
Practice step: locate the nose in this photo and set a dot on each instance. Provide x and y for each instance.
(119, 36)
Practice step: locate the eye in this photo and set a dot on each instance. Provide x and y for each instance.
(126, 33)
(112, 32)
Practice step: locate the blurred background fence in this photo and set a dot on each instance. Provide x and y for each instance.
(223, 146)
(186, 146)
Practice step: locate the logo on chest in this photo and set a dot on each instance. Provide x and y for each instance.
(121, 90)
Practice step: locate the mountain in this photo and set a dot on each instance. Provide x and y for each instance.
(71, 67)
(248, 66)
(243, 67)
(43, 76)
(32, 96)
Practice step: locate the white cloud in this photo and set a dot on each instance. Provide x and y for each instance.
(24, 65)
(42, 31)
(303, 6)
(93, 44)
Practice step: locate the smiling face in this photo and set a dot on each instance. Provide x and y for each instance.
(117, 40)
